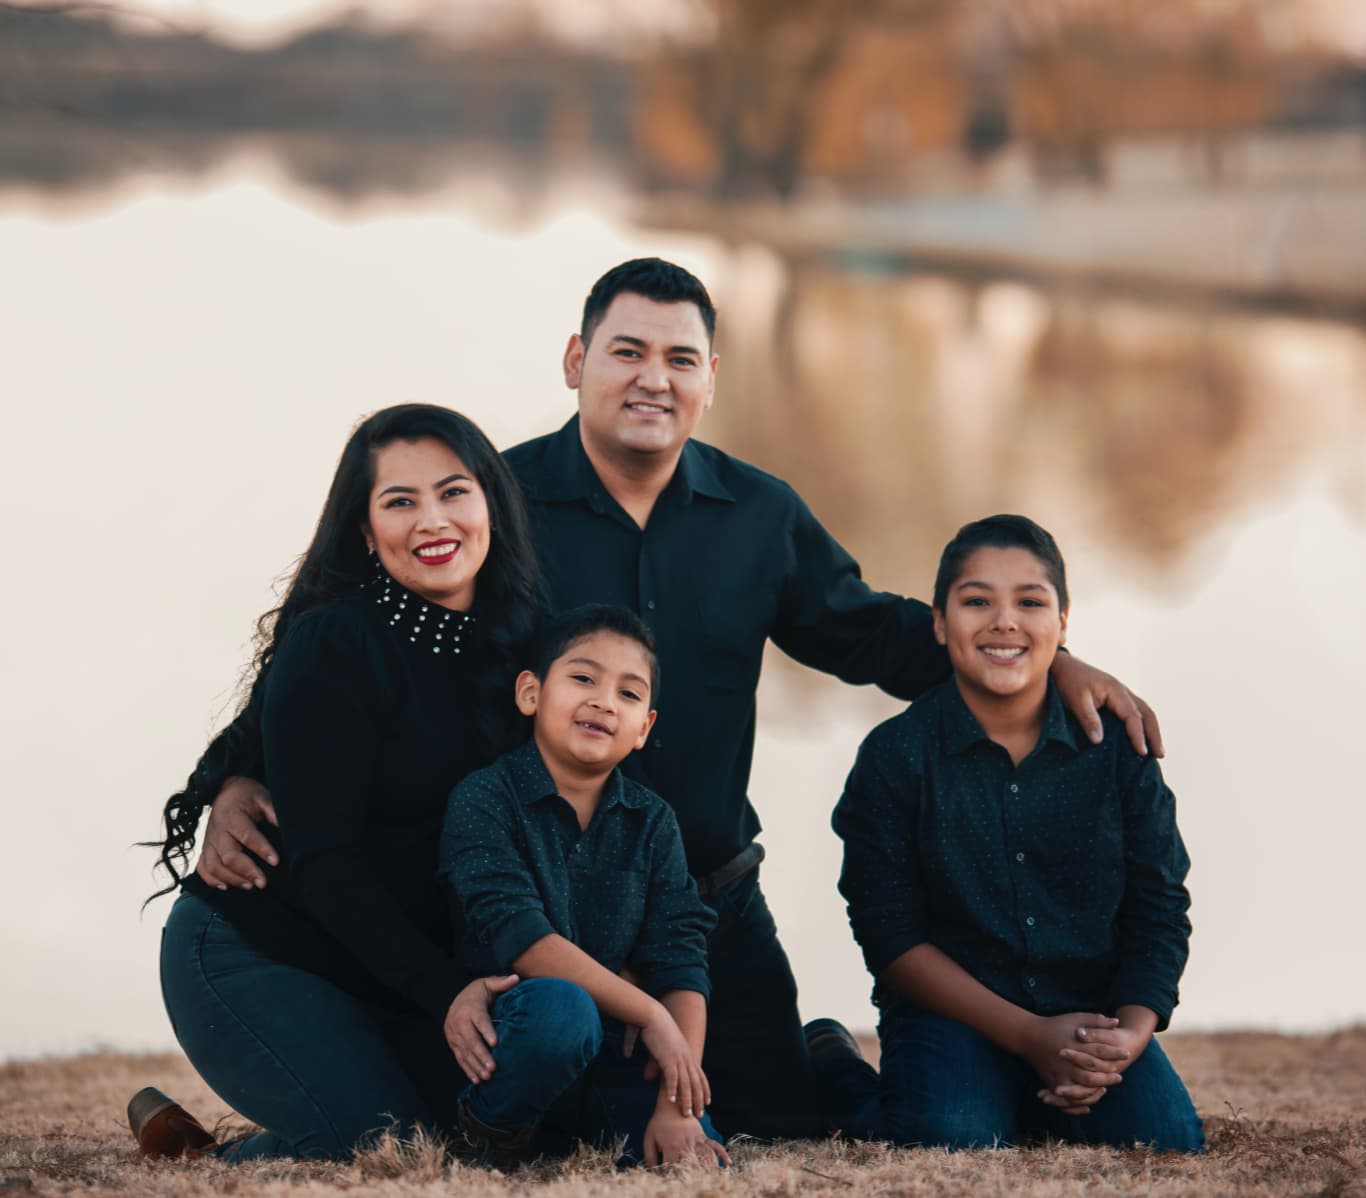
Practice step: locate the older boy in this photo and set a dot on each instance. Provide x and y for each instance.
(1017, 890)
(571, 875)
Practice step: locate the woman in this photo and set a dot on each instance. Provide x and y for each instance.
(317, 1007)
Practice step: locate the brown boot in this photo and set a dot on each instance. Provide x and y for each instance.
(164, 1128)
(491, 1146)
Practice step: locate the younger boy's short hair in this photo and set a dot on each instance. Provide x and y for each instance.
(578, 623)
(1000, 532)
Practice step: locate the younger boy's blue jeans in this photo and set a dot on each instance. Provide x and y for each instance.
(559, 1064)
(943, 1084)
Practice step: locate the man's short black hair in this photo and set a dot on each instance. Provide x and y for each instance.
(1000, 532)
(578, 623)
(656, 280)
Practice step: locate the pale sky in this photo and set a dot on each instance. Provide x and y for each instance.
(1340, 24)
(260, 22)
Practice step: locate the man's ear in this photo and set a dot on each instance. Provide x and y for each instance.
(645, 732)
(573, 361)
(527, 691)
(939, 633)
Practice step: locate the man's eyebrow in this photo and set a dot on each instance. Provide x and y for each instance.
(402, 489)
(641, 343)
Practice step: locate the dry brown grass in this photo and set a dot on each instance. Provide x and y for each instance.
(1285, 1115)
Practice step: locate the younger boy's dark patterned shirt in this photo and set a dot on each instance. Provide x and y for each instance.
(1057, 883)
(521, 869)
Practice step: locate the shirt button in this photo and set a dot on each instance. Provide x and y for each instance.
(1019, 856)
(1014, 789)
(658, 743)
(1029, 921)
(650, 603)
(1029, 982)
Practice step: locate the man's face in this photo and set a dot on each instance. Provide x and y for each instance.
(644, 379)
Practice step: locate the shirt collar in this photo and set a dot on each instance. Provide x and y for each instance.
(532, 781)
(567, 474)
(961, 729)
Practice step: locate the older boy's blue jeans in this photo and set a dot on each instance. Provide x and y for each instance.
(943, 1084)
(560, 1066)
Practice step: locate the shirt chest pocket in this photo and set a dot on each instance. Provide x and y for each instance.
(608, 906)
(733, 626)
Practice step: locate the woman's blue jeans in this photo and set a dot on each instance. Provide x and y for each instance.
(324, 1073)
(321, 1071)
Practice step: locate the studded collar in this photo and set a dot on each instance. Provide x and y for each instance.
(427, 627)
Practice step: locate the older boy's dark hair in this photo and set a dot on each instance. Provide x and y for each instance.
(656, 280)
(1000, 532)
(570, 627)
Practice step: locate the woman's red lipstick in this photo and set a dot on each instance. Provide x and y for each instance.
(427, 553)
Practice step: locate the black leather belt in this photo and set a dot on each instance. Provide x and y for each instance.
(733, 870)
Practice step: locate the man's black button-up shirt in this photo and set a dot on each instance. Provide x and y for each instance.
(729, 558)
(514, 856)
(1057, 883)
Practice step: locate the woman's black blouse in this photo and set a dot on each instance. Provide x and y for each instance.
(367, 724)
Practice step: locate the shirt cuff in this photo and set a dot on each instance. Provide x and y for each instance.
(1125, 993)
(517, 935)
(677, 977)
(881, 950)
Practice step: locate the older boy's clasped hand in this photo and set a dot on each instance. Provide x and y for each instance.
(1069, 1084)
(1115, 1047)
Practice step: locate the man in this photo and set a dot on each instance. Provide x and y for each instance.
(717, 557)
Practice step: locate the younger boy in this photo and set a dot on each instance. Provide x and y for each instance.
(1018, 892)
(573, 877)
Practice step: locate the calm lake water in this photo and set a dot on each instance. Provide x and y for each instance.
(180, 368)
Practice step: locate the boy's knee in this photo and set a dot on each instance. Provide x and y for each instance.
(956, 1127)
(563, 1017)
(1173, 1131)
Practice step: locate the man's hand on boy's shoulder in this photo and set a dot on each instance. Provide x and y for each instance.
(1085, 690)
(233, 832)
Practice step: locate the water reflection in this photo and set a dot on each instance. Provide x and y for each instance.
(179, 370)
(903, 407)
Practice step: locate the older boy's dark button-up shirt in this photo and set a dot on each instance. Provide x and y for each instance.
(521, 869)
(1057, 883)
(729, 558)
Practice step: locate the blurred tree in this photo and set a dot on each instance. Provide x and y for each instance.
(755, 80)
(745, 99)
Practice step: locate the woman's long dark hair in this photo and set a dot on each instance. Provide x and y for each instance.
(508, 601)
